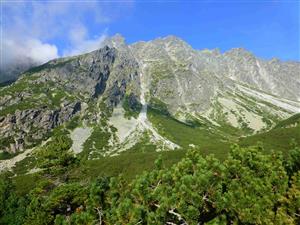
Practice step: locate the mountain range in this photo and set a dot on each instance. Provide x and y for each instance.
(157, 95)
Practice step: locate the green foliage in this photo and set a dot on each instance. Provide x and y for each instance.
(65, 198)
(5, 186)
(6, 155)
(289, 204)
(31, 162)
(254, 182)
(25, 165)
(54, 157)
(292, 163)
(24, 183)
(127, 164)
(244, 189)
(98, 141)
(12, 207)
(56, 97)
(248, 187)
(73, 123)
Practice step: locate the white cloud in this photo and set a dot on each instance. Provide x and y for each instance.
(40, 52)
(32, 49)
(45, 20)
(77, 34)
(80, 43)
(18, 56)
(85, 46)
(29, 27)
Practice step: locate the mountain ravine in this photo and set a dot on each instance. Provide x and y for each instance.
(112, 96)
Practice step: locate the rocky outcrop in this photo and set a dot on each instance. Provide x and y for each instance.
(106, 72)
(134, 103)
(273, 76)
(24, 128)
(86, 74)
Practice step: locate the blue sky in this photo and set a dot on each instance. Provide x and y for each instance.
(43, 30)
(268, 29)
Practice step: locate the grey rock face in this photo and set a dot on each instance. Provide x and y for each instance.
(177, 75)
(106, 74)
(205, 83)
(275, 77)
(86, 74)
(188, 80)
(27, 126)
(133, 103)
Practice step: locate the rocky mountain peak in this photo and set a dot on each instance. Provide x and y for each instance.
(210, 52)
(173, 42)
(116, 41)
(173, 38)
(239, 52)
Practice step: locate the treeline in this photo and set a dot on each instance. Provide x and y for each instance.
(249, 187)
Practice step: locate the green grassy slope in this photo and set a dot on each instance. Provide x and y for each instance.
(207, 140)
(279, 138)
(135, 161)
(128, 165)
(292, 121)
(275, 139)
